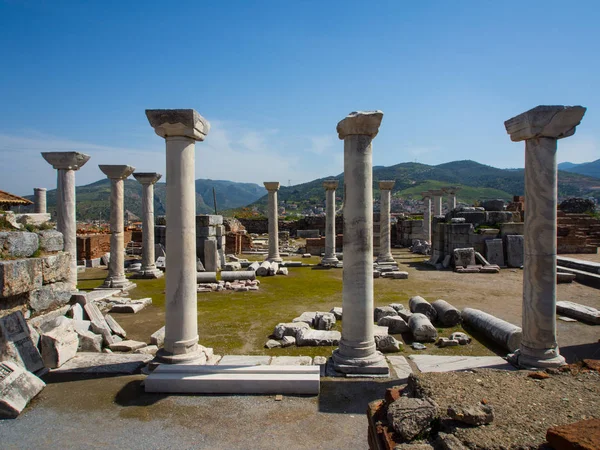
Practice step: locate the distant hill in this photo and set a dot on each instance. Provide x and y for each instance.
(477, 182)
(591, 169)
(93, 200)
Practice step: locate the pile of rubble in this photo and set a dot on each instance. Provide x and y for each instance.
(467, 260)
(388, 270)
(421, 247)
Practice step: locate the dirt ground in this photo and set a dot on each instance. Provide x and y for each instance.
(116, 413)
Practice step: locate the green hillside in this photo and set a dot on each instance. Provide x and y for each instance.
(591, 169)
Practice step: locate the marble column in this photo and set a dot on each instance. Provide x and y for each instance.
(39, 200)
(437, 201)
(451, 192)
(330, 258)
(357, 353)
(66, 163)
(540, 128)
(147, 180)
(181, 128)
(427, 215)
(116, 266)
(272, 188)
(385, 244)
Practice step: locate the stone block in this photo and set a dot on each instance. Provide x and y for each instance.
(206, 220)
(514, 250)
(410, 417)
(512, 228)
(422, 328)
(158, 337)
(308, 317)
(18, 244)
(76, 312)
(17, 388)
(395, 324)
(494, 217)
(51, 240)
(20, 276)
(88, 341)
(312, 338)
(383, 311)
(579, 312)
(50, 296)
(244, 360)
(127, 346)
(324, 321)
(493, 205)
(205, 232)
(494, 251)
(114, 326)
(211, 256)
(59, 344)
(388, 344)
(291, 361)
(288, 329)
(464, 257)
(460, 228)
(474, 217)
(104, 363)
(16, 343)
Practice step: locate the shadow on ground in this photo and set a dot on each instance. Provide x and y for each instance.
(351, 396)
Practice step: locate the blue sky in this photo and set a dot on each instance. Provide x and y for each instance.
(275, 77)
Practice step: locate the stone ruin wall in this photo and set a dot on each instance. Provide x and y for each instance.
(577, 233)
(261, 226)
(94, 246)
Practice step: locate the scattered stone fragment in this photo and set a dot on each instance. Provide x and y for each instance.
(288, 341)
(405, 314)
(114, 326)
(582, 435)
(127, 346)
(88, 341)
(104, 331)
(562, 277)
(464, 257)
(579, 312)
(410, 417)
(418, 304)
(383, 311)
(282, 271)
(395, 324)
(418, 346)
(376, 274)
(272, 343)
(421, 328)
(445, 342)
(76, 312)
(288, 329)
(380, 331)
(490, 268)
(538, 375)
(337, 312)
(59, 343)
(17, 388)
(472, 415)
(324, 321)
(17, 343)
(313, 338)
(319, 360)
(461, 337)
(388, 344)
(446, 441)
(131, 308)
(397, 306)
(148, 350)
(306, 317)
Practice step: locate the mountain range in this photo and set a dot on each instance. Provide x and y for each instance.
(591, 169)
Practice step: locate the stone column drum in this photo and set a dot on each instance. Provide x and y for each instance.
(330, 258)
(427, 215)
(385, 243)
(272, 187)
(540, 128)
(147, 180)
(116, 266)
(437, 201)
(39, 200)
(181, 128)
(357, 353)
(66, 163)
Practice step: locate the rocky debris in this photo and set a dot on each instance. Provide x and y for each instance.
(17, 388)
(410, 417)
(337, 312)
(461, 337)
(577, 205)
(379, 331)
(422, 328)
(388, 344)
(418, 346)
(288, 341)
(158, 337)
(418, 304)
(493, 205)
(324, 321)
(397, 306)
(447, 315)
(148, 350)
(376, 274)
(17, 343)
(579, 312)
(307, 317)
(282, 271)
(313, 338)
(395, 324)
(127, 346)
(384, 311)
(538, 375)
(421, 247)
(288, 329)
(132, 306)
(404, 314)
(76, 312)
(59, 342)
(272, 343)
(582, 435)
(445, 342)
(395, 274)
(114, 326)
(477, 415)
(445, 441)
(104, 330)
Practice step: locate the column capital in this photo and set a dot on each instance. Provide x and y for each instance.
(554, 122)
(66, 160)
(178, 122)
(116, 172)
(147, 177)
(436, 192)
(331, 185)
(365, 123)
(271, 186)
(387, 185)
(426, 194)
(451, 189)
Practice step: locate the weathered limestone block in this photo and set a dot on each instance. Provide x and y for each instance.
(127, 346)
(307, 317)
(379, 330)
(148, 350)
(88, 341)
(493, 205)
(388, 344)
(51, 240)
(445, 342)
(16, 343)
(158, 337)
(20, 276)
(579, 312)
(494, 217)
(288, 329)
(324, 321)
(464, 257)
(514, 250)
(59, 343)
(418, 304)
(447, 314)
(17, 388)
(211, 256)
(272, 343)
(337, 312)
(422, 328)
(311, 338)
(494, 251)
(395, 324)
(383, 311)
(410, 417)
(404, 314)
(50, 296)
(18, 244)
(114, 326)
(501, 332)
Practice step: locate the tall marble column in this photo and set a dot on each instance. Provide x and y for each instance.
(116, 266)
(181, 128)
(427, 215)
(272, 188)
(385, 244)
(66, 163)
(451, 191)
(357, 353)
(330, 258)
(148, 180)
(39, 200)
(437, 201)
(540, 128)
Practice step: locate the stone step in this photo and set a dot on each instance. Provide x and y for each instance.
(194, 379)
(583, 277)
(579, 264)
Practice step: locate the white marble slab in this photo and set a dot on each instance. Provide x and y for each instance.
(432, 363)
(401, 367)
(244, 360)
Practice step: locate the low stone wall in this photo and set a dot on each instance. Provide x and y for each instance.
(94, 246)
(316, 246)
(577, 233)
(261, 226)
(409, 230)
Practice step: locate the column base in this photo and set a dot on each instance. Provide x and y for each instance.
(149, 274)
(124, 285)
(191, 354)
(276, 259)
(385, 259)
(374, 364)
(330, 261)
(546, 359)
